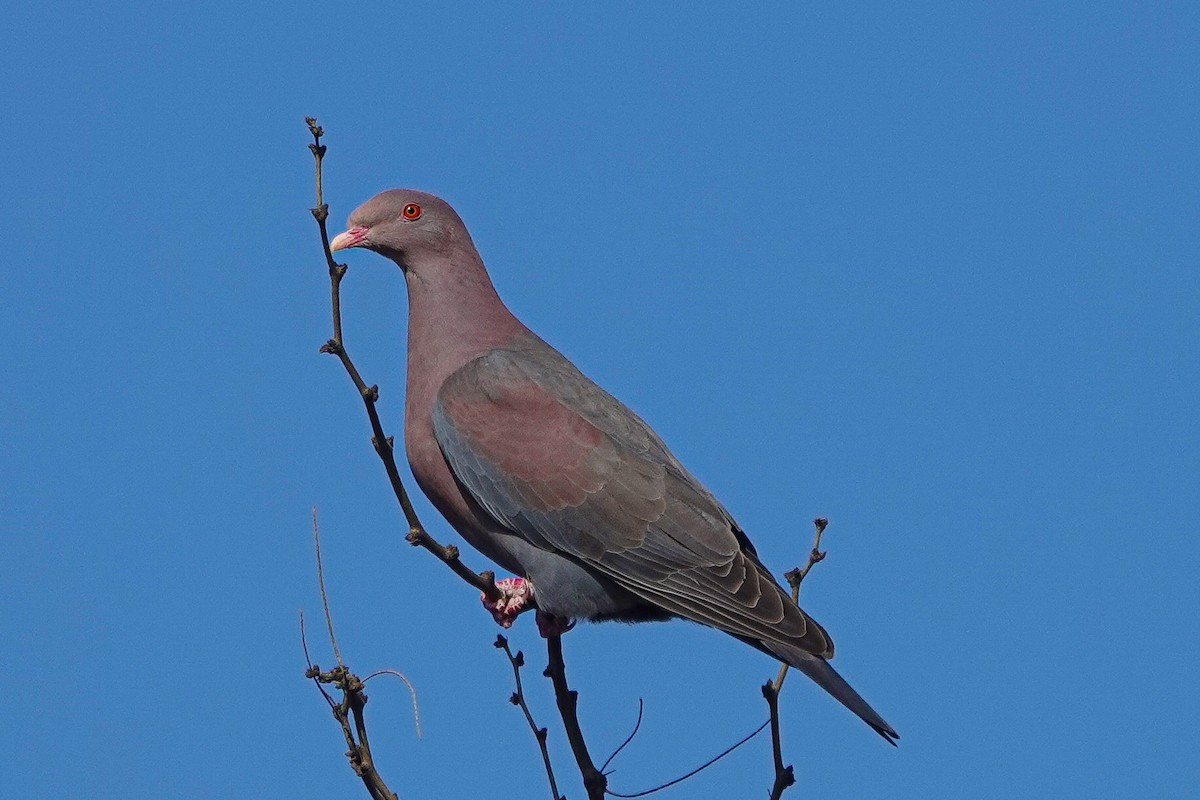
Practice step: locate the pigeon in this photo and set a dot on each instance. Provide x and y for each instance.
(554, 479)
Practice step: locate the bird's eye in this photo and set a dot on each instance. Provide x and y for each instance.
(411, 211)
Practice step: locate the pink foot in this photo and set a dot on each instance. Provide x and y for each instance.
(516, 595)
(550, 625)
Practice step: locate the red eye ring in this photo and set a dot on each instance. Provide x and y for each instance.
(411, 211)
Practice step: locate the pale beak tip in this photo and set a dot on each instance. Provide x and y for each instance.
(348, 238)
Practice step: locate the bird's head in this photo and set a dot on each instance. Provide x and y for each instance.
(405, 225)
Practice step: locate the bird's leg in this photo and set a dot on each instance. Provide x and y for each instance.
(550, 625)
(516, 596)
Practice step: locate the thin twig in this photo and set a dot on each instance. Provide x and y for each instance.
(700, 768)
(796, 576)
(568, 702)
(311, 666)
(321, 582)
(518, 699)
(637, 725)
(384, 445)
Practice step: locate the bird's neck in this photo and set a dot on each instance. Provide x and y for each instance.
(454, 315)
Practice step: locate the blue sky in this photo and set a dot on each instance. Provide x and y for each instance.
(929, 271)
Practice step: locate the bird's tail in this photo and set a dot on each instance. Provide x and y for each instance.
(827, 678)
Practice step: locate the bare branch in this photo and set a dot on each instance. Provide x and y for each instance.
(384, 445)
(784, 776)
(518, 699)
(796, 576)
(358, 747)
(568, 702)
(353, 698)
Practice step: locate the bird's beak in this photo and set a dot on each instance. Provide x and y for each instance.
(349, 238)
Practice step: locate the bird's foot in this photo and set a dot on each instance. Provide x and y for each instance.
(516, 595)
(550, 625)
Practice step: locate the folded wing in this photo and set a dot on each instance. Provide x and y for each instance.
(566, 466)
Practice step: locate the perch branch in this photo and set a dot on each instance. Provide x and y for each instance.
(568, 702)
(384, 445)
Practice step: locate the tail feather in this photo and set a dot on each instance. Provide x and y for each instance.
(826, 677)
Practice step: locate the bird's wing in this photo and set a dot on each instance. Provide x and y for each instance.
(563, 464)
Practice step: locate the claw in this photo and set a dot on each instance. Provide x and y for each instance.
(550, 625)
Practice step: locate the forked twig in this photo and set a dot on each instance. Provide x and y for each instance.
(785, 776)
(797, 575)
(352, 704)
